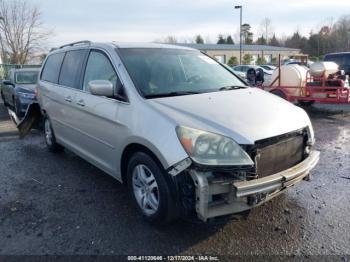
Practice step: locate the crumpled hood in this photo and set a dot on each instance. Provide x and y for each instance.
(246, 115)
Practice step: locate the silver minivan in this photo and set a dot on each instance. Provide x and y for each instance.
(188, 137)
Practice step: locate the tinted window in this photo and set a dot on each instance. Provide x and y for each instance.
(52, 68)
(99, 68)
(71, 68)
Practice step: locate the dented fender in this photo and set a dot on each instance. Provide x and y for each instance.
(31, 119)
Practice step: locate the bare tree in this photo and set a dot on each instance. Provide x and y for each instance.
(341, 34)
(22, 33)
(266, 29)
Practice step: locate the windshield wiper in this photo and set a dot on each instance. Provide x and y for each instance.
(177, 93)
(225, 88)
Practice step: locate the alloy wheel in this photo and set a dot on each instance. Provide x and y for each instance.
(145, 189)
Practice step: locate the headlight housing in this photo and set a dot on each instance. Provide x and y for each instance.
(212, 149)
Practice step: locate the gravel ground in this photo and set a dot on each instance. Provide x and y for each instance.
(60, 204)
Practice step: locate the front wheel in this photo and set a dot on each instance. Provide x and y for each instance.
(150, 190)
(50, 138)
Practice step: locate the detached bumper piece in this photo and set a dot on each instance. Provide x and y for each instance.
(217, 198)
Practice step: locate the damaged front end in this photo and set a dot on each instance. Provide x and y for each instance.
(31, 119)
(213, 191)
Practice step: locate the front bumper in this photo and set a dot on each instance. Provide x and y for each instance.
(240, 196)
(23, 103)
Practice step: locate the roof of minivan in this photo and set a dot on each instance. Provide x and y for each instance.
(119, 45)
(149, 45)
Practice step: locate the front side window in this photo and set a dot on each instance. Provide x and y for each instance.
(71, 68)
(52, 67)
(99, 68)
(26, 78)
(157, 71)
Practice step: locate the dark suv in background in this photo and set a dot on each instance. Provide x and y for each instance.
(342, 59)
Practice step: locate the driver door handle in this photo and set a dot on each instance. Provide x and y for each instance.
(81, 102)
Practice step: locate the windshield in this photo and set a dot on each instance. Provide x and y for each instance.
(26, 77)
(157, 72)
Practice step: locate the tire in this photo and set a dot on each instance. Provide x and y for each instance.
(3, 98)
(305, 103)
(50, 138)
(17, 109)
(150, 190)
(279, 93)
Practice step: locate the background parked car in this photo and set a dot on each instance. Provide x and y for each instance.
(237, 73)
(18, 91)
(342, 59)
(268, 67)
(244, 69)
(297, 62)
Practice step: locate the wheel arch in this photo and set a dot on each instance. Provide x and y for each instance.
(132, 148)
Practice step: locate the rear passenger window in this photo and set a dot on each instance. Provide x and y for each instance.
(71, 68)
(52, 68)
(99, 68)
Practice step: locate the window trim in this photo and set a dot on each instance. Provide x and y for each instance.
(103, 52)
(60, 67)
(15, 77)
(77, 78)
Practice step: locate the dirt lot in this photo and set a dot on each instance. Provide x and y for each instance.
(60, 204)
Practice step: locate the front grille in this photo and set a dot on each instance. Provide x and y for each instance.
(285, 152)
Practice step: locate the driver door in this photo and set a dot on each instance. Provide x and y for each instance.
(96, 117)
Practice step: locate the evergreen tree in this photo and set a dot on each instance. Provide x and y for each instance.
(199, 39)
(221, 40)
(274, 41)
(261, 41)
(229, 40)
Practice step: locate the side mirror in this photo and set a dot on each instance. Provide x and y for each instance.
(101, 88)
(8, 83)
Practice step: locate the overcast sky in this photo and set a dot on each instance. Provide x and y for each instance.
(146, 21)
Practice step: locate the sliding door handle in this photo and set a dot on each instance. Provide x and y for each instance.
(81, 103)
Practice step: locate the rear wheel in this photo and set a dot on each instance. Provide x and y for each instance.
(3, 98)
(50, 139)
(150, 190)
